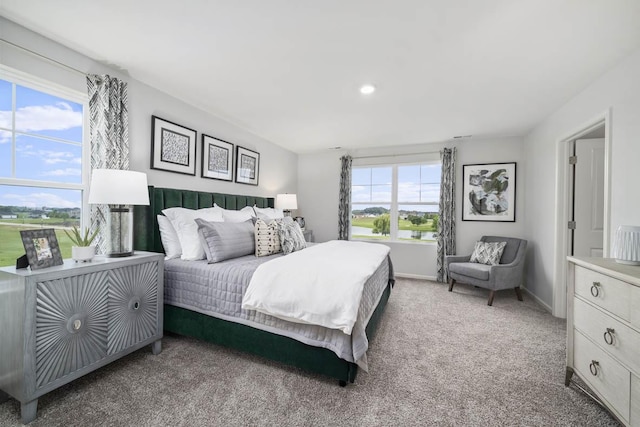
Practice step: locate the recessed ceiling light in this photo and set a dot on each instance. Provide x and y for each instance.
(367, 89)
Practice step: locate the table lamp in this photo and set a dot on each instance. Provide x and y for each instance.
(286, 202)
(119, 189)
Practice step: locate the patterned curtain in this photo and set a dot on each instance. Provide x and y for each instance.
(344, 211)
(109, 136)
(447, 220)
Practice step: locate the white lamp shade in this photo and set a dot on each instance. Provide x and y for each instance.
(286, 201)
(118, 187)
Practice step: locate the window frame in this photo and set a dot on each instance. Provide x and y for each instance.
(381, 162)
(30, 81)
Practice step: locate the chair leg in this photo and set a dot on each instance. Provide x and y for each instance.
(491, 295)
(518, 293)
(451, 283)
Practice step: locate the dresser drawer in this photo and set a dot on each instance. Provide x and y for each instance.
(612, 380)
(611, 294)
(635, 401)
(635, 304)
(613, 336)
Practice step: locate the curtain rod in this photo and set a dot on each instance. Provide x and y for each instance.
(46, 58)
(395, 155)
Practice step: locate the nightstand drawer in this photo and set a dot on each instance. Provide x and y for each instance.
(613, 336)
(611, 380)
(611, 294)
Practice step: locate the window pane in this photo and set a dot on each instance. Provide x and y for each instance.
(47, 115)
(361, 176)
(5, 157)
(5, 105)
(409, 183)
(430, 193)
(381, 175)
(431, 173)
(47, 160)
(25, 208)
(381, 193)
(370, 222)
(417, 223)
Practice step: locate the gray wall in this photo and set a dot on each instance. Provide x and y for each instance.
(278, 167)
(619, 91)
(319, 180)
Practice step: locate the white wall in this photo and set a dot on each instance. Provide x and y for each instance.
(618, 90)
(319, 182)
(278, 167)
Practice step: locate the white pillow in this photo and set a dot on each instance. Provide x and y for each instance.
(268, 213)
(230, 215)
(169, 237)
(183, 221)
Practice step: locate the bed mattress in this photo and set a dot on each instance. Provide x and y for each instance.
(217, 290)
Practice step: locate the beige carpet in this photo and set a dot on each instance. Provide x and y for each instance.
(439, 358)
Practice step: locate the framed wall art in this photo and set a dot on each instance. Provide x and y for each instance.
(247, 166)
(217, 158)
(489, 192)
(42, 248)
(173, 147)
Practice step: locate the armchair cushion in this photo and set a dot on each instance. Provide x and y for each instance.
(471, 269)
(488, 252)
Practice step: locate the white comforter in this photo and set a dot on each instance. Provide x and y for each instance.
(320, 285)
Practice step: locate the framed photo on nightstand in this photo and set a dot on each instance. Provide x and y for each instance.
(42, 248)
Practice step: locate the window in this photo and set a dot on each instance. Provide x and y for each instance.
(397, 202)
(43, 172)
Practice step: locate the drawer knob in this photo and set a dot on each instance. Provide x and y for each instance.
(593, 367)
(77, 324)
(608, 336)
(595, 289)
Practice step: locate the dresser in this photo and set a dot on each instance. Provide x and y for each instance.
(603, 333)
(62, 322)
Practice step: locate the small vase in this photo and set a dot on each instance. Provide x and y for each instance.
(83, 253)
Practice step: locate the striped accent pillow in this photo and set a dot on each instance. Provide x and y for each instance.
(267, 238)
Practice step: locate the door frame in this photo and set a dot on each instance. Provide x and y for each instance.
(564, 192)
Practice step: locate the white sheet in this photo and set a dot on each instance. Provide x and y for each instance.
(320, 285)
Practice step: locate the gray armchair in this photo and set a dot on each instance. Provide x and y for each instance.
(506, 275)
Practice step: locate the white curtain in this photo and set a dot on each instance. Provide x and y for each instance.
(109, 135)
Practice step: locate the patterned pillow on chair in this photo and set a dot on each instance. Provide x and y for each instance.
(488, 252)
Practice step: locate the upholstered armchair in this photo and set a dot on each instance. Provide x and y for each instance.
(507, 274)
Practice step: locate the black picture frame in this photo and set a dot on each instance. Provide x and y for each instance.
(41, 246)
(489, 192)
(217, 159)
(173, 147)
(247, 166)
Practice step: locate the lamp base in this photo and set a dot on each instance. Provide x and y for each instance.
(119, 254)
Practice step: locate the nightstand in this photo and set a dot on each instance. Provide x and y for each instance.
(308, 235)
(62, 322)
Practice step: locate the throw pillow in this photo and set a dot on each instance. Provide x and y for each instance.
(488, 252)
(183, 221)
(226, 240)
(169, 238)
(267, 237)
(269, 213)
(291, 236)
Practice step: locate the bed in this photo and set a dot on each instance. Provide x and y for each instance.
(274, 342)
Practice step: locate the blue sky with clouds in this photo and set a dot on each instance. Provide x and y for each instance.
(48, 146)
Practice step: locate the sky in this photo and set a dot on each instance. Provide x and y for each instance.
(42, 142)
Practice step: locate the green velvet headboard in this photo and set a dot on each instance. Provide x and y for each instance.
(147, 235)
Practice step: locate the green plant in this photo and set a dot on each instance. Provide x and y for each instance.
(78, 239)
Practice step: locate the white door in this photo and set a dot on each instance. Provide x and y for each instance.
(588, 190)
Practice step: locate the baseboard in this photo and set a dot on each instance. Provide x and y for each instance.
(416, 276)
(538, 300)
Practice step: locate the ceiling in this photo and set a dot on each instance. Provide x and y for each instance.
(289, 70)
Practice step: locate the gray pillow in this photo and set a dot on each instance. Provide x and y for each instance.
(291, 236)
(226, 240)
(488, 252)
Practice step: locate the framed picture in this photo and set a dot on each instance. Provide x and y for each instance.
(217, 158)
(42, 248)
(489, 192)
(173, 147)
(247, 166)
